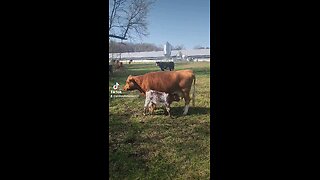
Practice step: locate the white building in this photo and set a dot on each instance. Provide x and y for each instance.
(200, 54)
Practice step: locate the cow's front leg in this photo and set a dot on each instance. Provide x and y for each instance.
(146, 105)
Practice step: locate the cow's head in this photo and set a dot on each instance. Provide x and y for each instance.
(130, 84)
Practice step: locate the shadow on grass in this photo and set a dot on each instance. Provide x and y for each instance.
(177, 111)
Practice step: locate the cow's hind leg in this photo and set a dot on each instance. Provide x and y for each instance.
(187, 101)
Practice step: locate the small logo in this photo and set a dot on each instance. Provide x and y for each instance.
(116, 86)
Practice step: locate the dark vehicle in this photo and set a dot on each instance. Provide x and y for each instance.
(165, 65)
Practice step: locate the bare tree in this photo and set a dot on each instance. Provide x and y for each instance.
(179, 47)
(117, 47)
(199, 47)
(128, 18)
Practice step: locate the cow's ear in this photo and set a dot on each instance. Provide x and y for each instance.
(130, 78)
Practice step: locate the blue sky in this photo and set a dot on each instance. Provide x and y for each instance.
(185, 22)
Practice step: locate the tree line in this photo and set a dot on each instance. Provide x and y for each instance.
(118, 47)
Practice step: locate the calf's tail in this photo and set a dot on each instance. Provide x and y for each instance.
(194, 90)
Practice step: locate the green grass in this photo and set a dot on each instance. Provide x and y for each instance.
(158, 147)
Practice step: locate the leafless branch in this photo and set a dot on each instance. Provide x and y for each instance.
(128, 18)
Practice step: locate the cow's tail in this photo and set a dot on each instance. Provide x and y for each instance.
(194, 90)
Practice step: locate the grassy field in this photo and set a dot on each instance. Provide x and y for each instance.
(158, 147)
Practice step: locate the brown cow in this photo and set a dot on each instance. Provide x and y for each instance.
(173, 82)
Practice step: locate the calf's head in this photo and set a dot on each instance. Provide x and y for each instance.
(176, 97)
(173, 97)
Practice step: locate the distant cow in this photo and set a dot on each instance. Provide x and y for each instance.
(118, 65)
(173, 82)
(154, 98)
(165, 65)
(130, 61)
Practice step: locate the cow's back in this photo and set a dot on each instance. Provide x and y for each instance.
(168, 81)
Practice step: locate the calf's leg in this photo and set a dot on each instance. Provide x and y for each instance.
(152, 107)
(168, 110)
(146, 105)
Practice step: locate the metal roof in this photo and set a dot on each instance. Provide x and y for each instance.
(157, 54)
